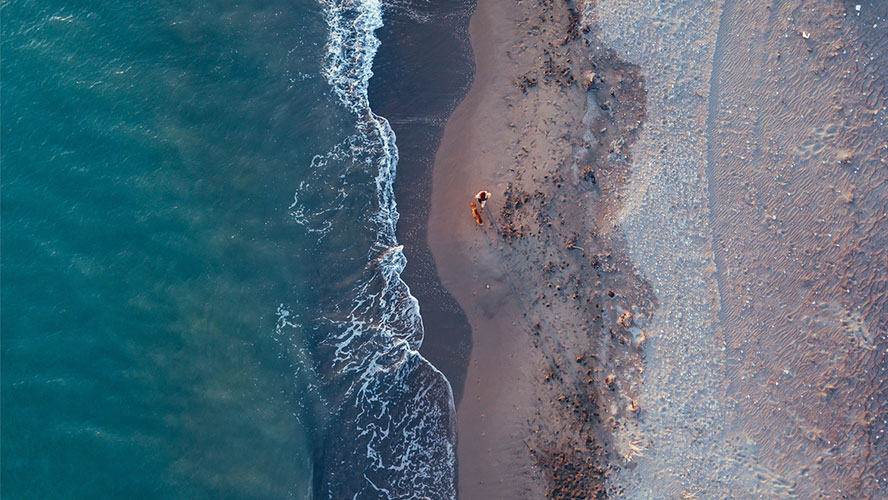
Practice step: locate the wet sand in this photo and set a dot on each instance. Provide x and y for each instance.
(679, 287)
(417, 96)
(499, 392)
(553, 302)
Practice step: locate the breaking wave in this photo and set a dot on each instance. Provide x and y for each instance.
(391, 431)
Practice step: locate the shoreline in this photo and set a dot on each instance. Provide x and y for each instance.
(417, 104)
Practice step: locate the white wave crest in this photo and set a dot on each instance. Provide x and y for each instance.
(395, 418)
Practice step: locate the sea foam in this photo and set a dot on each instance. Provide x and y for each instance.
(392, 429)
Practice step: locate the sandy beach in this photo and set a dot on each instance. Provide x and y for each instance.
(545, 275)
(241, 260)
(650, 313)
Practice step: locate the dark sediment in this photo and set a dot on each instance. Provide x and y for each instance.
(548, 130)
(552, 216)
(422, 69)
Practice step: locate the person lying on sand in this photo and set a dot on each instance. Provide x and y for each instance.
(482, 198)
(476, 214)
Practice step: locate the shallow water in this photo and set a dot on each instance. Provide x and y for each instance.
(201, 280)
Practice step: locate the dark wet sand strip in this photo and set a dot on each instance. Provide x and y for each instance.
(423, 68)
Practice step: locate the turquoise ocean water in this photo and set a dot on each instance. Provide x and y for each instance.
(201, 292)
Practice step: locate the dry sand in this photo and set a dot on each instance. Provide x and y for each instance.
(761, 171)
(679, 290)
